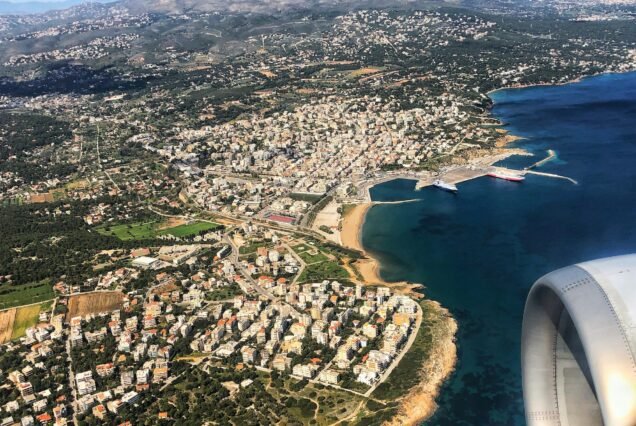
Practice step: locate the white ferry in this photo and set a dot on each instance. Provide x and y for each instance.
(445, 186)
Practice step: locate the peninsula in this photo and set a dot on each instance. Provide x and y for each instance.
(183, 191)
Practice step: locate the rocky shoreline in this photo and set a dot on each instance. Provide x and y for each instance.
(419, 404)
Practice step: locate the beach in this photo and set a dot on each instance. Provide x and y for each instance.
(351, 237)
(369, 267)
(419, 404)
(351, 228)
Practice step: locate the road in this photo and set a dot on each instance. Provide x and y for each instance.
(71, 378)
(254, 287)
(300, 261)
(405, 349)
(236, 261)
(234, 256)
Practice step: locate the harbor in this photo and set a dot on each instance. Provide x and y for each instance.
(480, 251)
(456, 175)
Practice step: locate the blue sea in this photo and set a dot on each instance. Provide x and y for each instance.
(478, 252)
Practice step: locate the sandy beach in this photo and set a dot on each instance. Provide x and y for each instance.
(419, 404)
(352, 223)
(369, 267)
(351, 234)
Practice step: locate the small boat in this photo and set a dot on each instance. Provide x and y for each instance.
(445, 186)
(513, 177)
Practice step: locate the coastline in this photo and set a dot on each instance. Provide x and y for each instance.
(419, 404)
(351, 237)
(564, 83)
(352, 223)
(369, 267)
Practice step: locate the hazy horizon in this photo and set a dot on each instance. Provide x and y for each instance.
(39, 6)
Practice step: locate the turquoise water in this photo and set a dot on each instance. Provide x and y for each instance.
(479, 251)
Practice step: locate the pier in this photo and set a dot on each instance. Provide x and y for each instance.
(552, 175)
(459, 174)
(462, 174)
(410, 200)
(551, 156)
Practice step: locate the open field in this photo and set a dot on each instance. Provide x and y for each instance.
(93, 303)
(310, 198)
(224, 293)
(251, 247)
(25, 317)
(315, 404)
(310, 255)
(324, 261)
(7, 319)
(133, 231)
(189, 230)
(328, 270)
(11, 296)
(15, 321)
(78, 184)
(46, 197)
(364, 71)
(172, 222)
(327, 222)
(148, 230)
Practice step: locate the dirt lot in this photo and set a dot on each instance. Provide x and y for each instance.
(46, 197)
(6, 324)
(172, 223)
(93, 303)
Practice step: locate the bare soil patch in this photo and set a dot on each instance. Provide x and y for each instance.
(7, 319)
(94, 303)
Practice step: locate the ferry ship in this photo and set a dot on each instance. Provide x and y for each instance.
(445, 186)
(506, 176)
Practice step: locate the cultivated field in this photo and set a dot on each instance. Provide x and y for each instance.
(94, 303)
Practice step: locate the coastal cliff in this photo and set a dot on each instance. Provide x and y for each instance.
(419, 404)
(434, 353)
